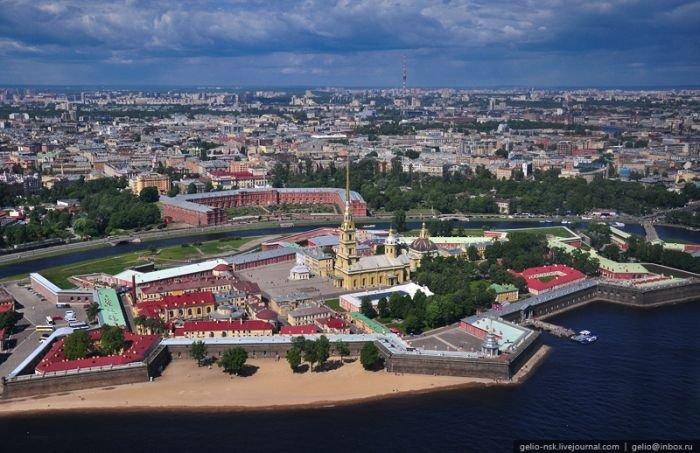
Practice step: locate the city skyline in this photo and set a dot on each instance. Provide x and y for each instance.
(451, 44)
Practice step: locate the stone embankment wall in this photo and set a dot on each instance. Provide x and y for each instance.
(501, 368)
(613, 293)
(31, 384)
(255, 351)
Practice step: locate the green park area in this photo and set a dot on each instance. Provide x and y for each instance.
(557, 231)
(334, 304)
(163, 257)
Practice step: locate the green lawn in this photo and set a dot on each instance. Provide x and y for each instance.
(334, 304)
(224, 245)
(172, 255)
(554, 231)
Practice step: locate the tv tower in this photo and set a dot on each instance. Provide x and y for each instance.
(405, 74)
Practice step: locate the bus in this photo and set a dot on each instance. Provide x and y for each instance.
(45, 328)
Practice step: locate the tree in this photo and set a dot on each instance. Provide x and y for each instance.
(323, 349)
(369, 356)
(342, 349)
(383, 308)
(8, 320)
(294, 358)
(367, 309)
(233, 360)
(310, 353)
(198, 351)
(472, 253)
(400, 221)
(111, 340)
(77, 345)
(149, 194)
(92, 310)
(174, 190)
(191, 188)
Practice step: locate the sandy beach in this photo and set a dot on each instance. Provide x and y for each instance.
(271, 385)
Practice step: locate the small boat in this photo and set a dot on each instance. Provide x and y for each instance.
(566, 222)
(618, 224)
(370, 226)
(584, 337)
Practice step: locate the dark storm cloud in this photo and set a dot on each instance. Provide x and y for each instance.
(450, 42)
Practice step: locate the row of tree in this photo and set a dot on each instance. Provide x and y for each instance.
(471, 190)
(312, 351)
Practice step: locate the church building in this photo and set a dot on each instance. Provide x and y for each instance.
(392, 268)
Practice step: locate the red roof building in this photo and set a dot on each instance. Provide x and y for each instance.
(547, 278)
(306, 329)
(333, 325)
(185, 306)
(138, 346)
(223, 329)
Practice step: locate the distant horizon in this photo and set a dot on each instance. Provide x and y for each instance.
(363, 43)
(351, 87)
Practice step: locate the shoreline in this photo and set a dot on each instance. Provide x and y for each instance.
(184, 387)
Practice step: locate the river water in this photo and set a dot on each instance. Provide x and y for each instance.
(641, 380)
(38, 264)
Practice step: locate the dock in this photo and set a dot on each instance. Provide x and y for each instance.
(553, 329)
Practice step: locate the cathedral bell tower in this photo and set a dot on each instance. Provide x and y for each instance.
(347, 244)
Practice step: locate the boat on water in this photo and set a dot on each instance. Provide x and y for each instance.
(566, 222)
(618, 224)
(584, 337)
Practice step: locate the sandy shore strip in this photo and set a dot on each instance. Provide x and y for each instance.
(271, 385)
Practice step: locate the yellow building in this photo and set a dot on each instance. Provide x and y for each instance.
(160, 182)
(505, 293)
(353, 272)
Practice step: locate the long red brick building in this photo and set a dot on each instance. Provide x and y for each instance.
(209, 208)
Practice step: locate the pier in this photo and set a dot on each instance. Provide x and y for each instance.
(555, 330)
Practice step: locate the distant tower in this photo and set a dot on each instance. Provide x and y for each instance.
(405, 74)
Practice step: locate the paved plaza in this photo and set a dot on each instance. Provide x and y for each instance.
(450, 338)
(274, 281)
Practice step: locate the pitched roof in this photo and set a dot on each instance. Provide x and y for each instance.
(306, 329)
(212, 326)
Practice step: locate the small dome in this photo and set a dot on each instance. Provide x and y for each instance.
(423, 245)
(266, 315)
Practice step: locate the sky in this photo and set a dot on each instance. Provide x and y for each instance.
(352, 43)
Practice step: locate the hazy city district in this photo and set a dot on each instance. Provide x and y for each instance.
(218, 247)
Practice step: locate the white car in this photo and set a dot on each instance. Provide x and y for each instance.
(69, 315)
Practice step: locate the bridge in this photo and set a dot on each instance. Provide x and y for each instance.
(650, 232)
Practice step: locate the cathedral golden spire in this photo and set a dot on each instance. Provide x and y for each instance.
(348, 212)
